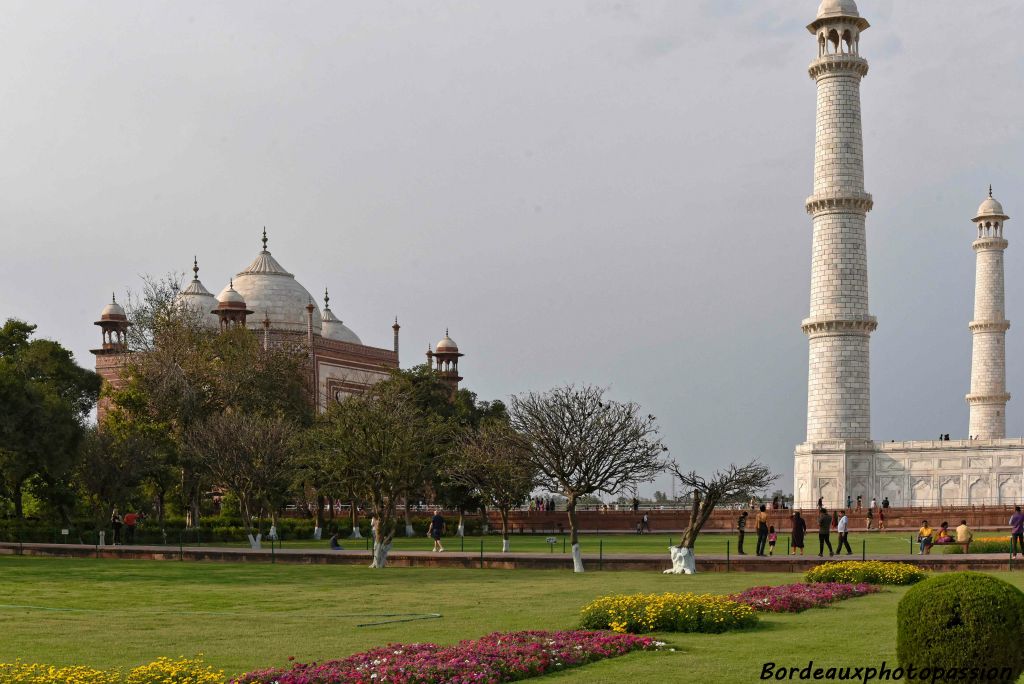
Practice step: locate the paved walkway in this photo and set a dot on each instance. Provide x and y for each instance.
(648, 562)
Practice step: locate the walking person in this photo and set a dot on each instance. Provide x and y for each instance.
(645, 524)
(799, 529)
(772, 538)
(868, 517)
(881, 520)
(116, 522)
(824, 525)
(1016, 531)
(741, 528)
(762, 530)
(844, 534)
(435, 530)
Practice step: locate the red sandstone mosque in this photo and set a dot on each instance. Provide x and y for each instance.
(269, 300)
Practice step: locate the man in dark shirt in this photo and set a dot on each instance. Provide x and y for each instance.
(824, 526)
(741, 527)
(436, 528)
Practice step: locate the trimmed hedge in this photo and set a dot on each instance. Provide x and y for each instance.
(639, 613)
(959, 621)
(871, 572)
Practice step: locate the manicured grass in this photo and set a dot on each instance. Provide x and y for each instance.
(244, 616)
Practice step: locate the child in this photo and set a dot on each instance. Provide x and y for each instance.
(772, 537)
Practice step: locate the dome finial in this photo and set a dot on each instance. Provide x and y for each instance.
(446, 331)
(231, 283)
(990, 190)
(113, 298)
(195, 268)
(264, 238)
(327, 299)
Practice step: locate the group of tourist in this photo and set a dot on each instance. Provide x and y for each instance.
(129, 522)
(766, 535)
(927, 537)
(539, 503)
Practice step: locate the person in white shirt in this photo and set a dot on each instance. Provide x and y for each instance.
(844, 540)
(874, 503)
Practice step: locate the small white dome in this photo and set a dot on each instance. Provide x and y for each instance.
(229, 295)
(113, 311)
(990, 207)
(200, 300)
(447, 344)
(837, 8)
(334, 329)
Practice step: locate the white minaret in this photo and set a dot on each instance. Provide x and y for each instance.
(839, 325)
(988, 395)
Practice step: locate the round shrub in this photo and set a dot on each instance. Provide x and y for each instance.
(962, 620)
(639, 613)
(871, 572)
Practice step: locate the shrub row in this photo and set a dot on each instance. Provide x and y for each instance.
(164, 670)
(639, 613)
(870, 572)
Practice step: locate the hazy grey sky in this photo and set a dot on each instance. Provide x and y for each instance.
(597, 191)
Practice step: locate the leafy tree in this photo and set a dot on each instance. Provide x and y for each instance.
(582, 444)
(252, 455)
(46, 398)
(375, 442)
(492, 462)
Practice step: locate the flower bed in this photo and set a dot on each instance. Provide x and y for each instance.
(163, 670)
(638, 613)
(871, 572)
(980, 545)
(794, 598)
(498, 657)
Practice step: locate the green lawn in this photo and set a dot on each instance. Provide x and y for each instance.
(243, 616)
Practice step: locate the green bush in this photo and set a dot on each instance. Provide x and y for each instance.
(962, 620)
(872, 572)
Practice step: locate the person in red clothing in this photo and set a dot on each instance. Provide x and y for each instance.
(131, 520)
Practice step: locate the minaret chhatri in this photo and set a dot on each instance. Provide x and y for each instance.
(988, 395)
(839, 325)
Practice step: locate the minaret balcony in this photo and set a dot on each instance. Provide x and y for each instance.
(988, 398)
(824, 203)
(989, 242)
(989, 326)
(832, 326)
(837, 64)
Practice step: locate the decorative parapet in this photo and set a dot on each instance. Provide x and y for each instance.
(989, 326)
(988, 398)
(828, 65)
(968, 445)
(989, 242)
(823, 203)
(831, 326)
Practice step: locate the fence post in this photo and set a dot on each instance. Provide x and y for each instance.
(600, 554)
(181, 550)
(481, 553)
(563, 543)
(272, 558)
(911, 545)
(863, 549)
(462, 542)
(727, 544)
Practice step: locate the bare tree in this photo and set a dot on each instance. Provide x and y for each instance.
(252, 455)
(493, 463)
(735, 483)
(581, 444)
(374, 442)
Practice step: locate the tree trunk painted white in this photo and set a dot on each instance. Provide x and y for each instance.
(254, 542)
(355, 533)
(380, 555)
(683, 561)
(317, 533)
(461, 531)
(409, 532)
(504, 545)
(103, 538)
(577, 559)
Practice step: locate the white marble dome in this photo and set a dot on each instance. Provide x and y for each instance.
(200, 300)
(837, 8)
(990, 207)
(113, 311)
(447, 344)
(272, 292)
(334, 329)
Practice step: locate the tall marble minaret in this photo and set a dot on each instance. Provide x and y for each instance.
(988, 395)
(839, 326)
